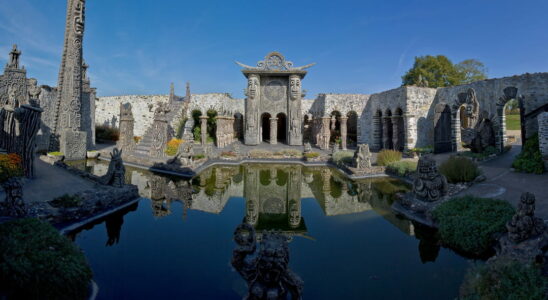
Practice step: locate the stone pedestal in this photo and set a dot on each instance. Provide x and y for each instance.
(203, 129)
(73, 144)
(343, 121)
(160, 137)
(126, 141)
(273, 131)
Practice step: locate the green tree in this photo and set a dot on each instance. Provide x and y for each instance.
(439, 71)
(471, 70)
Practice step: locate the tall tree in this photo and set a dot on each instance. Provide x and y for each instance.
(471, 70)
(439, 71)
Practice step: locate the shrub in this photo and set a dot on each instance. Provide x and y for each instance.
(291, 153)
(343, 157)
(387, 156)
(423, 150)
(469, 223)
(504, 279)
(312, 155)
(402, 168)
(10, 166)
(530, 159)
(173, 146)
(106, 133)
(197, 133)
(180, 128)
(198, 156)
(459, 169)
(36, 262)
(257, 153)
(66, 201)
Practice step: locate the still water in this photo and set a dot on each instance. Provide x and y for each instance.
(177, 241)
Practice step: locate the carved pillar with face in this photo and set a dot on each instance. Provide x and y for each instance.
(79, 17)
(252, 86)
(295, 87)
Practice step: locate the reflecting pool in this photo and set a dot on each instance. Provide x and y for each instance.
(344, 242)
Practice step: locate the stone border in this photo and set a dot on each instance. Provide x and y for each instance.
(224, 162)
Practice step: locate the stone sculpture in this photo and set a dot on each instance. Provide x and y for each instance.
(160, 131)
(429, 185)
(362, 157)
(266, 271)
(126, 140)
(524, 224)
(13, 206)
(307, 147)
(481, 136)
(184, 154)
(116, 172)
(73, 140)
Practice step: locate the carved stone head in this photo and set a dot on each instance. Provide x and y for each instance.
(252, 86)
(79, 17)
(427, 169)
(295, 86)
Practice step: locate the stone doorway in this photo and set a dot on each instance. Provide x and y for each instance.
(265, 127)
(442, 129)
(282, 128)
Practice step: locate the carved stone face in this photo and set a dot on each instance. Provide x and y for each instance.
(252, 85)
(294, 215)
(79, 17)
(295, 87)
(252, 213)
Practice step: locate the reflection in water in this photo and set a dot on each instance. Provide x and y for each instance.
(267, 271)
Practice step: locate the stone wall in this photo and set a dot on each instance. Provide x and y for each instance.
(543, 133)
(107, 110)
(216, 101)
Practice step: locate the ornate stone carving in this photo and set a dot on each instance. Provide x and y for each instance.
(429, 185)
(252, 87)
(524, 224)
(471, 106)
(481, 136)
(14, 58)
(275, 61)
(13, 206)
(116, 172)
(266, 271)
(362, 157)
(184, 154)
(126, 140)
(294, 87)
(33, 89)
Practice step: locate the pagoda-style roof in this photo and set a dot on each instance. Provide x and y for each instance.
(274, 64)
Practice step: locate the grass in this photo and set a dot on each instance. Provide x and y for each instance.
(36, 262)
(343, 157)
(459, 169)
(386, 157)
(513, 122)
(55, 153)
(402, 168)
(469, 223)
(106, 133)
(312, 155)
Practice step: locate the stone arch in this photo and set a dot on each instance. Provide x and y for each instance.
(265, 127)
(307, 128)
(509, 93)
(443, 129)
(335, 125)
(238, 126)
(281, 130)
(352, 127)
(398, 130)
(211, 123)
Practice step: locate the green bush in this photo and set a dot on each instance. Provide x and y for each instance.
(530, 158)
(343, 157)
(469, 223)
(459, 169)
(36, 262)
(197, 133)
(180, 128)
(386, 157)
(402, 168)
(66, 201)
(312, 155)
(423, 150)
(105, 133)
(504, 279)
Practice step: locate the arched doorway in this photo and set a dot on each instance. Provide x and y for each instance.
(211, 124)
(442, 129)
(352, 128)
(265, 127)
(307, 132)
(196, 130)
(238, 126)
(282, 128)
(399, 130)
(335, 126)
(378, 130)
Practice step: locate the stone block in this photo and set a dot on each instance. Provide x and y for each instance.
(73, 144)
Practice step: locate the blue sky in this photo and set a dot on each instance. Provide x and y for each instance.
(140, 46)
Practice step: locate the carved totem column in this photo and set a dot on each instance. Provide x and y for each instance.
(273, 131)
(325, 133)
(294, 111)
(294, 196)
(343, 120)
(126, 141)
(73, 137)
(251, 134)
(203, 129)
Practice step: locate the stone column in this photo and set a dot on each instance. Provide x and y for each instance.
(411, 134)
(343, 120)
(395, 133)
(325, 133)
(386, 133)
(543, 133)
(377, 133)
(455, 130)
(273, 131)
(203, 128)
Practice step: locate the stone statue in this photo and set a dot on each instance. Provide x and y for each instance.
(295, 87)
(184, 154)
(33, 89)
(116, 172)
(161, 111)
(480, 137)
(307, 147)
(362, 157)
(252, 86)
(14, 58)
(267, 272)
(13, 206)
(524, 224)
(429, 185)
